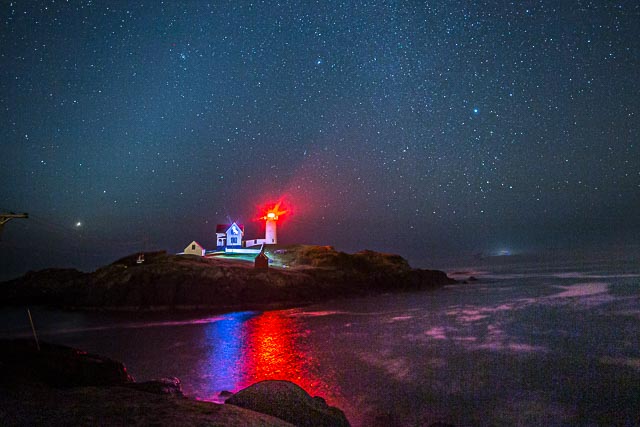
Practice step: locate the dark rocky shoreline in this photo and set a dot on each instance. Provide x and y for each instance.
(58, 385)
(314, 274)
(63, 386)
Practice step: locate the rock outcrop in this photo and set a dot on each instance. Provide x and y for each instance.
(289, 402)
(312, 274)
(172, 386)
(58, 366)
(59, 385)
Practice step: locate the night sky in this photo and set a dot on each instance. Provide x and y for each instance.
(428, 129)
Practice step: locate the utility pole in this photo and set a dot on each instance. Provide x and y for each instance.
(4, 218)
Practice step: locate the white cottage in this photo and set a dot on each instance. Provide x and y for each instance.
(229, 236)
(234, 236)
(194, 248)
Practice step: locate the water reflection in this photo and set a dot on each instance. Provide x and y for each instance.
(247, 347)
(275, 350)
(224, 341)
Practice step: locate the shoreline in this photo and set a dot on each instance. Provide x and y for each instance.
(60, 385)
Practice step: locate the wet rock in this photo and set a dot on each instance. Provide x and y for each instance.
(289, 402)
(171, 386)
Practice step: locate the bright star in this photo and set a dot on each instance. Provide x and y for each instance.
(476, 110)
(78, 224)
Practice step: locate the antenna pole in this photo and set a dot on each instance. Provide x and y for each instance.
(33, 329)
(4, 218)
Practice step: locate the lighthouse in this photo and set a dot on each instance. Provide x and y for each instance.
(270, 233)
(271, 219)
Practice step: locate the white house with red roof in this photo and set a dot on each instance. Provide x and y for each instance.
(229, 236)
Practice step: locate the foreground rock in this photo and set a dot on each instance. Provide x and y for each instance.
(312, 274)
(63, 386)
(171, 386)
(59, 366)
(291, 403)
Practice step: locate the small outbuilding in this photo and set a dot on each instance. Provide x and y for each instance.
(261, 262)
(194, 248)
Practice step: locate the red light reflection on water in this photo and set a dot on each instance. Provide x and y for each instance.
(274, 351)
(271, 349)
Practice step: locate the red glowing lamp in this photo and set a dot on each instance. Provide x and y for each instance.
(274, 212)
(271, 214)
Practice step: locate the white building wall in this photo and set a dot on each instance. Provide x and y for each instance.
(254, 242)
(241, 251)
(270, 235)
(194, 249)
(231, 236)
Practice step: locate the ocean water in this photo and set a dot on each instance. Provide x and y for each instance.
(530, 343)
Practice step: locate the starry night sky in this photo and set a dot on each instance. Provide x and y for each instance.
(424, 128)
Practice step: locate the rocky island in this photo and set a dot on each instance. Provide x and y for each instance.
(300, 274)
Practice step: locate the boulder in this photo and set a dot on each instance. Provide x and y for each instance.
(289, 402)
(59, 365)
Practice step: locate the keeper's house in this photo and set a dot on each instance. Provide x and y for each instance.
(229, 236)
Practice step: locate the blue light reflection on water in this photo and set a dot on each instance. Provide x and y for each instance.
(225, 357)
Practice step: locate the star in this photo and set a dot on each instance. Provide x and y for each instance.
(357, 106)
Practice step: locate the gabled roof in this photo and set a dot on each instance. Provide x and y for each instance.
(198, 244)
(222, 228)
(233, 229)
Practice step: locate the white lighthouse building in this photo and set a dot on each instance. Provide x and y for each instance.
(270, 229)
(270, 234)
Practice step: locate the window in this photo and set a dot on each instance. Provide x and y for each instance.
(193, 247)
(234, 240)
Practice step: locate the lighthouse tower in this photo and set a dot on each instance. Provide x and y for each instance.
(270, 234)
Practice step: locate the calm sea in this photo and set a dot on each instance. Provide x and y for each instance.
(530, 343)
